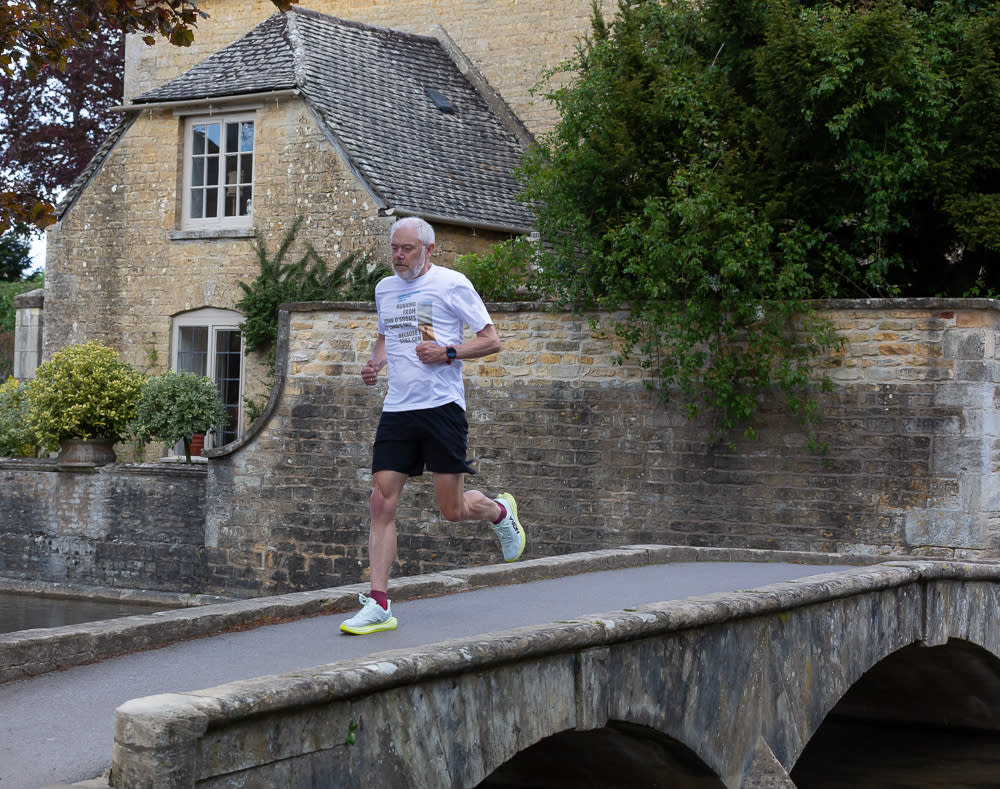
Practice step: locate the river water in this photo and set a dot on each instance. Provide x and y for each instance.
(25, 611)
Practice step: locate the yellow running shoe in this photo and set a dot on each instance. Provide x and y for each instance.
(370, 619)
(509, 530)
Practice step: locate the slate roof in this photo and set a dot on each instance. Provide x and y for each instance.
(369, 87)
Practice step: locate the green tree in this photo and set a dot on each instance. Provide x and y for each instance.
(15, 255)
(8, 290)
(718, 165)
(505, 272)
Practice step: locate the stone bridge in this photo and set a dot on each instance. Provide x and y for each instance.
(717, 691)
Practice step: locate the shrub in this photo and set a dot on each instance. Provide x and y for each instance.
(17, 439)
(504, 273)
(176, 405)
(83, 391)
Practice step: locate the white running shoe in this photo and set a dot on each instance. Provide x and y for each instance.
(509, 530)
(372, 618)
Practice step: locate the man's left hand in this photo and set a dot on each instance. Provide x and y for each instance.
(431, 353)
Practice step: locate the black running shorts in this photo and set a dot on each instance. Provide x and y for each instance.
(435, 438)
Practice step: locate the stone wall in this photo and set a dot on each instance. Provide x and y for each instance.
(597, 461)
(594, 458)
(511, 42)
(120, 526)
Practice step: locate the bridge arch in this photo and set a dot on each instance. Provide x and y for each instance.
(746, 694)
(945, 698)
(619, 754)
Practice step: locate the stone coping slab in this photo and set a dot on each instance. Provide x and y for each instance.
(380, 671)
(27, 653)
(109, 594)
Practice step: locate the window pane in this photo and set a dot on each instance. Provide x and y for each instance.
(232, 343)
(212, 132)
(198, 140)
(230, 208)
(232, 137)
(192, 349)
(246, 136)
(197, 203)
(198, 172)
(246, 168)
(246, 200)
(232, 163)
(227, 378)
(212, 176)
(211, 202)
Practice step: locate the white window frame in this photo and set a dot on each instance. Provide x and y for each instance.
(220, 221)
(214, 320)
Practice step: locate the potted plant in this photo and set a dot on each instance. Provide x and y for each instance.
(175, 406)
(82, 401)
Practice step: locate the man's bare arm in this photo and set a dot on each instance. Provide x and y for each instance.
(369, 373)
(486, 342)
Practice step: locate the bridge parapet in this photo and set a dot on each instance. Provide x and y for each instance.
(742, 680)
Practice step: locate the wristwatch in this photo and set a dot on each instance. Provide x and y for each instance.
(451, 353)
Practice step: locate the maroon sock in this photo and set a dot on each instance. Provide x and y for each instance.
(503, 513)
(381, 598)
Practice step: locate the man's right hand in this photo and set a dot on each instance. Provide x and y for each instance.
(369, 373)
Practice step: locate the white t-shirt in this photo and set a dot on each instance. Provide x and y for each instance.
(437, 307)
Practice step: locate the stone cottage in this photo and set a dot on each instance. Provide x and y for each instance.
(348, 125)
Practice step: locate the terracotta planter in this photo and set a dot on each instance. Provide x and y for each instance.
(197, 444)
(81, 452)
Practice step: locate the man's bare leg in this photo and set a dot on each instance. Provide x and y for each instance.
(375, 614)
(388, 485)
(458, 504)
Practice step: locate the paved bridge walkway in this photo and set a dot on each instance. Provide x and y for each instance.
(57, 727)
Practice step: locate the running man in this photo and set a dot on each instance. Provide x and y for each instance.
(423, 310)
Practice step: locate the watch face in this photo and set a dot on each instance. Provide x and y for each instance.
(452, 353)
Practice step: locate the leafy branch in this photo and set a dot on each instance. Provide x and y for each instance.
(308, 277)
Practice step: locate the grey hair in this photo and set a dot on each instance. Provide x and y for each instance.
(424, 231)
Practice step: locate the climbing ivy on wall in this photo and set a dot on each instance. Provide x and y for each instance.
(285, 279)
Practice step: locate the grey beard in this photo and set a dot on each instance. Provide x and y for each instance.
(410, 274)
